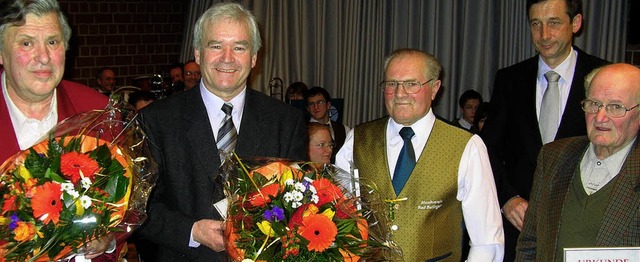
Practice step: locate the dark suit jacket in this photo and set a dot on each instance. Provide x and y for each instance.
(73, 98)
(183, 145)
(557, 164)
(511, 130)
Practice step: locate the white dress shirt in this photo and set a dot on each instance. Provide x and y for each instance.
(476, 187)
(566, 69)
(29, 131)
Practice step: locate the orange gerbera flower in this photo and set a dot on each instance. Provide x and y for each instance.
(259, 200)
(46, 202)
(319, 230)
(327, 191)
(72, 163)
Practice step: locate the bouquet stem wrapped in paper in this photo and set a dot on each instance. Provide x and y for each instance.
(90, 177)
(287, 211)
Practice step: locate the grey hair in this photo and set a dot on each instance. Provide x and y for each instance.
(15, 13)
(233, 11)
(433, 65)
(589, 78)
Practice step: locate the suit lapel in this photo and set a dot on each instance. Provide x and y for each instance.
(623, 202)
(252, 118)
(528, 98)
(8, 141)
(573, 116)
(199, 133)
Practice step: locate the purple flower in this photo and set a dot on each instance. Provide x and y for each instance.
(14, 221)
(274, 215)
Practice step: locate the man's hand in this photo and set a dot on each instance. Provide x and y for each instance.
(210, 233)
(98, 246)
(514, 211)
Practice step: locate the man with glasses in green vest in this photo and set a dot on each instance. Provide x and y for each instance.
(436, 178)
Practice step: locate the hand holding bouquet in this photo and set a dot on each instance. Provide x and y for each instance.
(74, 187)
(281, 211)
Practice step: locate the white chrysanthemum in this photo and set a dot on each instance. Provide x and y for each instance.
(288, 197)
(289, 182)
(86, 182)
(296, 204)
(73, 193)
(308, 179)
(297, 195)
(299, 186)
(313, 189)
(85, 201)
(315, 199)
(66, 186)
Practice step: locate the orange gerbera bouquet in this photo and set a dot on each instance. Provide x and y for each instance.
(287, 211)
(74, 187)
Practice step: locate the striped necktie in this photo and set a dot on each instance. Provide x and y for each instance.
(227, 134)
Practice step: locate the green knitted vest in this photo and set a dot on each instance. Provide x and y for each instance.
(582, 215)
(429, 222)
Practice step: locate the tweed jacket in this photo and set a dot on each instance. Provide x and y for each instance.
(184, 147)
(557, 165)
(511, 130)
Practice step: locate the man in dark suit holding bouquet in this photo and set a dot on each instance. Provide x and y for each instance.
(188, 130)
(585, 189)
(523, 116)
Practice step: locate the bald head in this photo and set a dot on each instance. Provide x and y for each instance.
(611, 107)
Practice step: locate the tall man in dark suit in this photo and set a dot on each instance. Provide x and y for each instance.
(183, 130)
(519, 123)
(585, 189)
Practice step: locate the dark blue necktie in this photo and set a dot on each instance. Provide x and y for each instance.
(406, 160)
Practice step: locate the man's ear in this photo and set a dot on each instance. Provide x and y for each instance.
(576, 23)
(434, 89)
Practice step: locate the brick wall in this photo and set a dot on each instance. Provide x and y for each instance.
(134, 37)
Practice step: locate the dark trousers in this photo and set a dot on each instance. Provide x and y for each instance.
(511, 234)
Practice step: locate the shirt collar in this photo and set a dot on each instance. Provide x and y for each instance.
(424, 123)
(612, 163)
(213, 104)
(564, 69)
(17, 117)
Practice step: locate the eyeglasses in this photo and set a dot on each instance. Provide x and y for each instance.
(321, 145)
(189, 73)
(613, 110)
(411, 86)
(319, 103)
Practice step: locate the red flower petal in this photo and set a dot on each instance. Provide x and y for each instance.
(46, 202)
(72, 163)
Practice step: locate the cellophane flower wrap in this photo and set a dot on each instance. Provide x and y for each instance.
(281, 210)
(90, 177)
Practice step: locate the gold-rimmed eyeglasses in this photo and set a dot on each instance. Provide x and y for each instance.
(410, 86)
(612, 110)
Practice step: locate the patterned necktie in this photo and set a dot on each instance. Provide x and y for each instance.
(550, 107)
(227, 134)
(406, 160)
